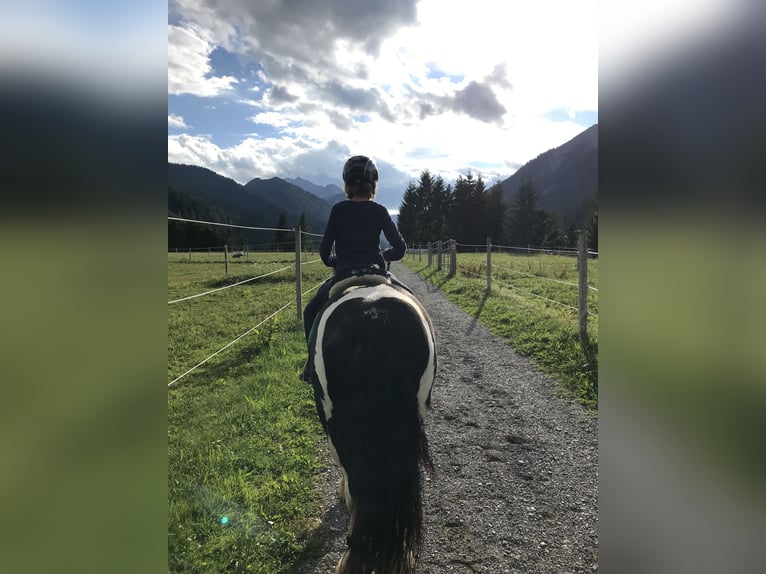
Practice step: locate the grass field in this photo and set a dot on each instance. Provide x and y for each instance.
(244, 441)
(521, 309)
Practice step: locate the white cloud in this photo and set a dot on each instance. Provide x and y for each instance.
(175, 121)
(442, 88)
(189, 67)
(194, 150)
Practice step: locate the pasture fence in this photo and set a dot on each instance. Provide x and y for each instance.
(440, 250)
(300, 254)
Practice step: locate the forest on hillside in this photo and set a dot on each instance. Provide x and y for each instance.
(469, 213)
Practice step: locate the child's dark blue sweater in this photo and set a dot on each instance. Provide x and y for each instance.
(354, 227)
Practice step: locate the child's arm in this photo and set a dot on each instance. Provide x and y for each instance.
(325, 247)
(398, 247)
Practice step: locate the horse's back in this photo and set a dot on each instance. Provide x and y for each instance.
(374, 335)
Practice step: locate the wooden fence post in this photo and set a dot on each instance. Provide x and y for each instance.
(489, 265)
(298, 276)
(452, 257)
(582, 267)
(430, 254)
(189, 253)
(226, 259)
(439, 255)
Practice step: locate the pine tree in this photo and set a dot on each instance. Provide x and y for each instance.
(546, 232)
(424, 209)
(495, 212)
(528, 225)
(283, 240)
(306, 240)
(409, 213)
(592, 225)
(521, 214)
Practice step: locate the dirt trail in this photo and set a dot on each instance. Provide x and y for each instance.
(516, 481)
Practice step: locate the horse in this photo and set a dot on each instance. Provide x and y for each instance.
(372, 359)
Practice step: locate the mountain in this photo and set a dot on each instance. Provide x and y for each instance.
(259, 203)
(566, 178)
(291, 199)
(327, 192)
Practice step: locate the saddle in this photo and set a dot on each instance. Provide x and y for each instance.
(358, 281)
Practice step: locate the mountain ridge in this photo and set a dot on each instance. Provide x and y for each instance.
(566, 177)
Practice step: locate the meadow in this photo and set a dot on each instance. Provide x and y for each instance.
(244, 441)
(532, 305)
(245, 447)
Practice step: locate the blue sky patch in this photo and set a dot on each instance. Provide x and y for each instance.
(436, 73)
(585, 118)
(227, 122)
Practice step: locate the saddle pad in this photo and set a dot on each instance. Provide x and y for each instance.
(358, 280)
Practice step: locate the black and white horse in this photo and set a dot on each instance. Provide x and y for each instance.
(373, 357)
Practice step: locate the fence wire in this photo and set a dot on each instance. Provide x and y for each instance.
(229, 286)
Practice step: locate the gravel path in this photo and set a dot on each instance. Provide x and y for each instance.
(516, 481)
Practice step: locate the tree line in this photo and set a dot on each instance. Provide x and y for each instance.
(470, 212)
(182, 235)
(285, 240)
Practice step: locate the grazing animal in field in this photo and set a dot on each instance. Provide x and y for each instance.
(373, 363)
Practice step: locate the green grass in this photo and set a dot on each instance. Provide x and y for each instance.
(244, 441)
(520, 310)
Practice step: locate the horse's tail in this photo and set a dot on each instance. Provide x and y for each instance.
(377, 430)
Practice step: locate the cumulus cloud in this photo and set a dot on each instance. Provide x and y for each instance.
(383, 78)
(476, 100)
(278, 95)
(175, 121)
(358, 99)
(189, 66)
(479, 102)
(304, 30)
(499, 77)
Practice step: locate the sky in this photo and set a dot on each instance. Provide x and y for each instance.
(293, 88)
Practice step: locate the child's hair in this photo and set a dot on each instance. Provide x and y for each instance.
(361, 189)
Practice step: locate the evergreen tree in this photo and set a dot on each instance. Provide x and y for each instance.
(441, 203)
(424, 209)
(306, 240)
(183, 235)
(570, 237)
(546, 232)
(468, 221)
(283, 240)
(521, 214)
(495, 213)
(409, 215)
(527, 225)
(303, 224)
(592, 226)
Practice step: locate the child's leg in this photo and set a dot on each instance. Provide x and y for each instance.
(313, 306)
